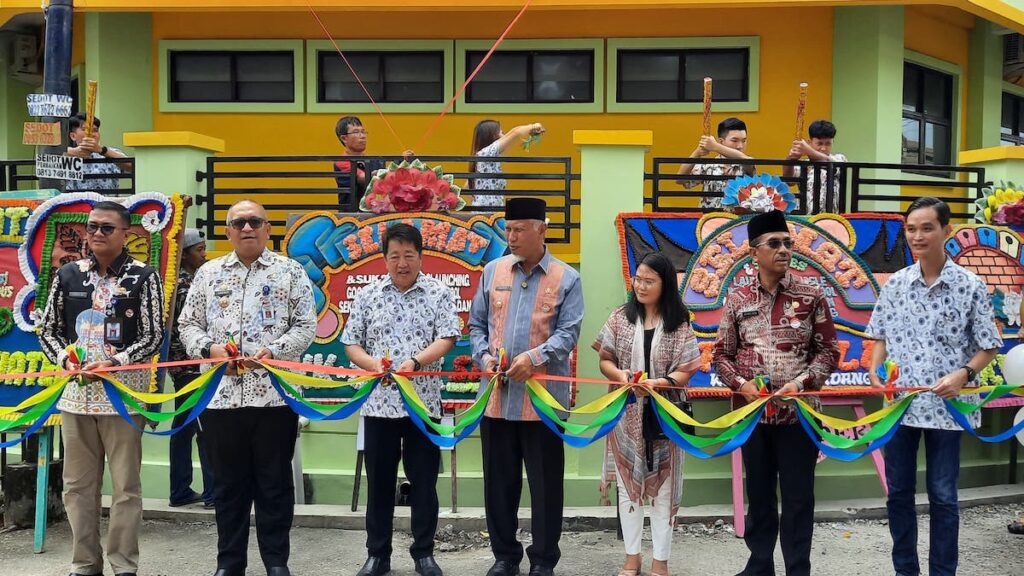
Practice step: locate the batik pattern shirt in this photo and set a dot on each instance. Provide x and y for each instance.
(269, 304)
(489, 184)
(817, 185)
(933, 331)
(93, 168)
(177, 349)
(787, 336)
(716, 186)
(386, 320)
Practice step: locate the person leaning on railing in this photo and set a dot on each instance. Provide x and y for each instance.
(489, 140)
(731, 144)
(818, 148)
(354, 138)
(89, 147)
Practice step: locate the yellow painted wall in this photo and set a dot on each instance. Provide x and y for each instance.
(796, 45)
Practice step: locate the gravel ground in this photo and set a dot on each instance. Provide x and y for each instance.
(854, 548)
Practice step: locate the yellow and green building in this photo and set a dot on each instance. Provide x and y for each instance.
(912, 82)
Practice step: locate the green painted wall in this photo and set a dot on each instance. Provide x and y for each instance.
(867, 82)
(984, 86)
(13, 111)
(119, 56)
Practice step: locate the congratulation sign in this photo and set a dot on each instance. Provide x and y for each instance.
(849, 256)
(342, 253)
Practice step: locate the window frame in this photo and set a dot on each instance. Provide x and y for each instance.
(166, 47)
(751, 43)
(1017, 94)
(596, 45)
(682, 54)
(924, 119)
(950, 69)
(315, 47)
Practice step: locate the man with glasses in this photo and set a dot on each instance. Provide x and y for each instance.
(779, 327)
(109, 305)
(411, 316)
(263, 303)
(354, 137)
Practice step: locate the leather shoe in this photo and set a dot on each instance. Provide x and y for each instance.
(428, 567)
(375, 566)
(224, 572)
(504, 568)
(77, 574)
(541, 571)
(125, 574)
(278, 571)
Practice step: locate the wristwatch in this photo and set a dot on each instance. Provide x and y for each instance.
(206, 350)
(103, 151)
(416, 364)
(971, 373)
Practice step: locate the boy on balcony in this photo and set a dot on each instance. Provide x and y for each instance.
(353, 136)
(818, 149)
(731, 143)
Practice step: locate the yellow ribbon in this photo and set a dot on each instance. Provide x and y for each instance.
(727, 420)
(38, 397)
(592, 407)
(311, 382)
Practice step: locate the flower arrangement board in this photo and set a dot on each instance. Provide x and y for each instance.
(342, 253)
(851, 256)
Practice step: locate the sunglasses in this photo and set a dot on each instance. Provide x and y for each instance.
(254, 222)
(104, 229)
(776, 243)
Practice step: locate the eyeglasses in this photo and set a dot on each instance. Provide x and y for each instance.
(646, 282)
(254, 222)
(776, 243)
(104, 229)
(358, 133)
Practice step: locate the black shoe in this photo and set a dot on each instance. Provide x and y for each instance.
(375, 566)
(224, 572)
(191, 499)
(125, 574)
(278, 571)
(1016, 527)
(541, 571)
(209, 505)
(428, 567)
(504, 568)
(77, 574)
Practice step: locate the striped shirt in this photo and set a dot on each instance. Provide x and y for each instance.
(539, 313)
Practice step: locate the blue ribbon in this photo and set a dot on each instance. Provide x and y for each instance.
(844, 455)
(579, 441)
(964, 423)
(344, 411)
(204, 401)
(733, 443)
(441, 441)
(33, 428)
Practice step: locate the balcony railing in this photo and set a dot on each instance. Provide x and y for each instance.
(20, 175)
(298, 184)
(840, 186)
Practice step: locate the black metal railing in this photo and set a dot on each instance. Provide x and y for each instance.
(20, 175)
(298, 184)
(818, 186)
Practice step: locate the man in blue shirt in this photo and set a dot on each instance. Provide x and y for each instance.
(935, 320)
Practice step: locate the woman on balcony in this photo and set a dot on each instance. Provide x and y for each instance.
(649, 333)
(489, 140)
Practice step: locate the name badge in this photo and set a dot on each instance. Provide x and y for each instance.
(113, 331)
(78, 294)
(748, 313)
(268, 315)
(503, 288)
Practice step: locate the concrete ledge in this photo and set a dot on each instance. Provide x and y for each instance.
(613, 137)
(186, 139)
(579, 519)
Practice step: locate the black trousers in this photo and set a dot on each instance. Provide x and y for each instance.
(784, 456)
(386, 441)
(507, 445)
(251, 450)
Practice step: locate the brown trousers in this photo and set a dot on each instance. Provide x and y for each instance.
(88, 441)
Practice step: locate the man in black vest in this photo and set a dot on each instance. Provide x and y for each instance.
(109, 305)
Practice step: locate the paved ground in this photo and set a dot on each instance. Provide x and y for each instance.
(842, 548)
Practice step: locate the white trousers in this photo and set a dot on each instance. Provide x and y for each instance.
(631, 515)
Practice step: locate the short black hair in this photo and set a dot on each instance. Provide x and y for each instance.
(78, 120)
(403, 232)
(111, 206)
(730, 124)
(341, 128)
(821, 129)
(940, 207)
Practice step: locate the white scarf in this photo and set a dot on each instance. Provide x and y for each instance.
(636, 362)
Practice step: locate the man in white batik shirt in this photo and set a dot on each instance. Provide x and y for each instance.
(264, 303)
